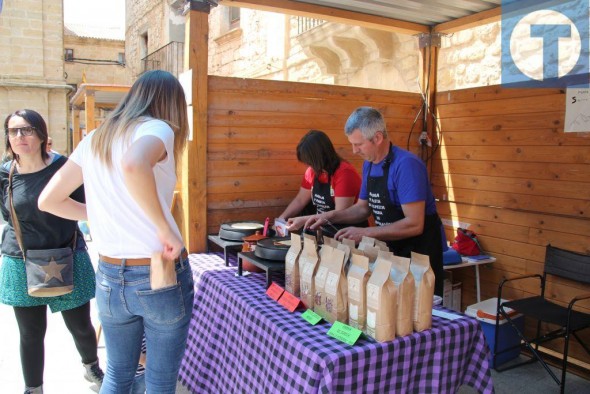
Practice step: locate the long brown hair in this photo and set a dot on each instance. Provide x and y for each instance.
(156, 94)
(317, 151)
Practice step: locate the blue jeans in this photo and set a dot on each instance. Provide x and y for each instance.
(128, 307)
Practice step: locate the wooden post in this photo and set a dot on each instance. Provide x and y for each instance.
(89, 109)
(76, 132)
(429, 45)
(194, 162)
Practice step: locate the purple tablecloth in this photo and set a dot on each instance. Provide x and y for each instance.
(241, 341)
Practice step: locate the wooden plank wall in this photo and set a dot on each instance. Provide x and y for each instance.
(508, 169)
(253, 130)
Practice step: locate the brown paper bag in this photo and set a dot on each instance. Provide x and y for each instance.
(162, 272)
(330, 241)
(336, 288)
(406, 292)
(381, 302)
(358, 276)
(292, 277)
(424, 278)
(319, 280)
(349, 242)
(366, 241)
(372, 253)
(381, 245)
(346, 250)
(307, 267)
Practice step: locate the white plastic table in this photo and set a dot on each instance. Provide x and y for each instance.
(475, 264)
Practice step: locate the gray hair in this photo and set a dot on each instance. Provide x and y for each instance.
(366, 119)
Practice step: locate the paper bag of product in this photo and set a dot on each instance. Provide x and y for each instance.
(424, 278)
(319, 280)
(336, 288)
(330, 241)
(406, 292)
(381, 302)
(358, 276)
(292, 277)
(365, 242)
(346, 250)
(371, 252)
(381, 245)
(162, 272)
(308, 260)
(349, 242)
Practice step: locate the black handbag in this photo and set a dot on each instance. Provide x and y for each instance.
(50, 272)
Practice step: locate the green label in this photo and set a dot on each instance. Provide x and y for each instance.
(344, 333)
(311, 317)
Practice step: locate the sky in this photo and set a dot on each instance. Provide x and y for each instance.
(106, 13)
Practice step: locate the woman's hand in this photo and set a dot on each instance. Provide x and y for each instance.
(313, 222)
(172, 244)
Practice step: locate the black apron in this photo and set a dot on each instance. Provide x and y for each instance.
(322, 196)
(386, 212)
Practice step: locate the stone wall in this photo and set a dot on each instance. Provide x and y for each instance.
(145, 17)
(31, 65)
(269, 46)
(470, 58)
(95, 49)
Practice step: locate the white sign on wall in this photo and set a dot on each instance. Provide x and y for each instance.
(577, 110)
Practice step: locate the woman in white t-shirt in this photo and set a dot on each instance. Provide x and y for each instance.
(128, 167)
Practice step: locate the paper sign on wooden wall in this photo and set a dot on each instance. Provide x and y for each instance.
(577, 110)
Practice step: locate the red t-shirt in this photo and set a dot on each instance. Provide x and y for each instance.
(346, 181)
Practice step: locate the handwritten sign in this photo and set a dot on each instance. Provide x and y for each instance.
(311, 317)
(289, 301)
(577, 110)
(344, 333)
(275, 291)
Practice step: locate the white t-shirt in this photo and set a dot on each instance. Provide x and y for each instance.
(119, 226)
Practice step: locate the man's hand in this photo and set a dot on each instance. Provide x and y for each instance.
(294, 224)
(354, 233)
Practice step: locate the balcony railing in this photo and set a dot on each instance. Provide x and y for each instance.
(304, 24)
(169, 58)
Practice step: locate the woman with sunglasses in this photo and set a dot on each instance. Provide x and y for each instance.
(32, 168)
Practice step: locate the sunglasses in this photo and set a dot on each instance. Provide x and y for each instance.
(24, 131)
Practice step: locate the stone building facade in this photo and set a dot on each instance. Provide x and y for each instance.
(150, 26)
(255, 44)
(32, 66)
(97, 60)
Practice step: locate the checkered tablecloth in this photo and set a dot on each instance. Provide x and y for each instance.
(241, 341)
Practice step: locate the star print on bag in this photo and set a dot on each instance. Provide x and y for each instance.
(53, 270)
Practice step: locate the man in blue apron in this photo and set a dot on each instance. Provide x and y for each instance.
(395, 190)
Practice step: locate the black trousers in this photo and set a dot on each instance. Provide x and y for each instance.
(32, 325)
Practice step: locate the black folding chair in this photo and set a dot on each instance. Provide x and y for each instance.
(559, 263)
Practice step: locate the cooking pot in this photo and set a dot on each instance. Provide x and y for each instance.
(273, 248)
(236, 231)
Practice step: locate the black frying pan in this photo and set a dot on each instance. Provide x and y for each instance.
(236, 231)
(272, 248)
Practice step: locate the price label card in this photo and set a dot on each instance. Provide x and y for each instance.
(344, 333)
(289, 301)
(311, 317)
(274, 291)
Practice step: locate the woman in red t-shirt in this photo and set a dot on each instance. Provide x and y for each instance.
(336, 187)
